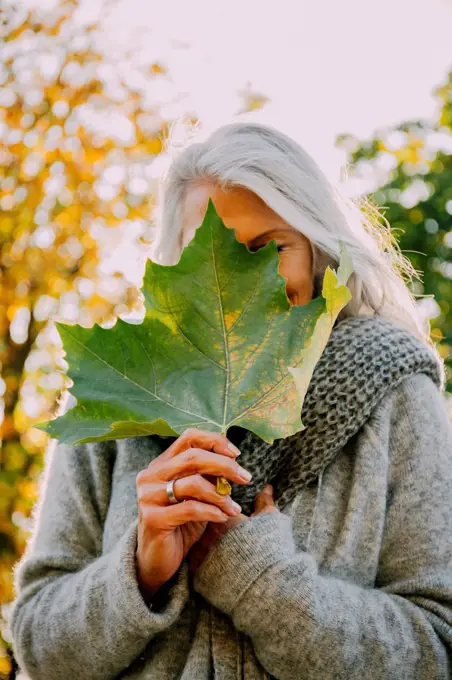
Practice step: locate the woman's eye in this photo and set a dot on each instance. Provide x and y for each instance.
(254, 249)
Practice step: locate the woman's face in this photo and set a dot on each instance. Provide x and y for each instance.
(255, 224)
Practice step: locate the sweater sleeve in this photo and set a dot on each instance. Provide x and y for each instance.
(306, 624)
(79, 613)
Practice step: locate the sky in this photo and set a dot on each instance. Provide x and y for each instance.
(328, 67)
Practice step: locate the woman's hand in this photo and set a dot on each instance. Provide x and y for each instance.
(263, 502)
(167, 532)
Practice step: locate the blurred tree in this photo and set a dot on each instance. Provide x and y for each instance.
(80, 157)
(79, 140)
(408, 169)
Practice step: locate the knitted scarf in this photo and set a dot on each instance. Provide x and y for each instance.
(365, 358)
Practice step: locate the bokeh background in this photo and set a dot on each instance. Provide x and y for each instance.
(89, 91)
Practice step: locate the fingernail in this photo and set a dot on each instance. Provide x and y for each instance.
(244, 474)
(236, 507)
(234, 449)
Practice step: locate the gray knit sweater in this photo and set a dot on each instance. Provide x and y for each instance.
(352, 579)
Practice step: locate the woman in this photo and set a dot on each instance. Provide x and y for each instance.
(342, 565)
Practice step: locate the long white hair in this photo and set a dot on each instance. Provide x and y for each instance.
(277, 169)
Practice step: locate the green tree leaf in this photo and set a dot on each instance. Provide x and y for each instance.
(213, 350)
(336, 295)
(345, 269)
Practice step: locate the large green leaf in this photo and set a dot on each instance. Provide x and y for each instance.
(220, 345)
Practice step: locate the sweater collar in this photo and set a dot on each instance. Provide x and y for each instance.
(365, 358)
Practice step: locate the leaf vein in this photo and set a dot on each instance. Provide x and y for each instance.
(225, 337)
(167, 403)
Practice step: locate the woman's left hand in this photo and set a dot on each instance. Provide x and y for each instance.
(263, 502)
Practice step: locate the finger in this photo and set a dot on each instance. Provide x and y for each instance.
(212, 441)
(199, 461)
(194, 438)
(167, 518)
(264, 501)
(186, 488)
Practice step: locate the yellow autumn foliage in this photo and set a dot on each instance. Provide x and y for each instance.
(66, 187)
(78, 143)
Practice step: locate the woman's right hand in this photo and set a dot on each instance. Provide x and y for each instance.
(166, 532)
